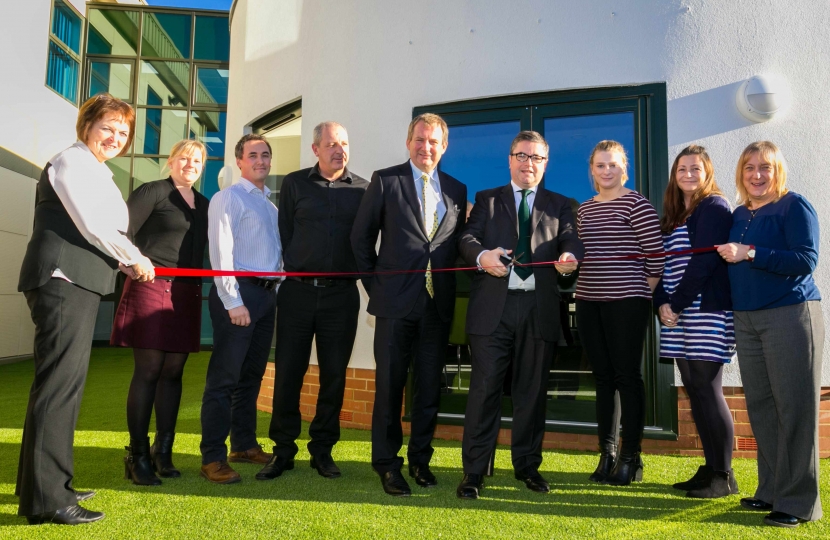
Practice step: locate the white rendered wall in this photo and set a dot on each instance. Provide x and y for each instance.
(367, 63)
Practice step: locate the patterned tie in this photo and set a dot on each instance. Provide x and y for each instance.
(523, 246)
(431, 224)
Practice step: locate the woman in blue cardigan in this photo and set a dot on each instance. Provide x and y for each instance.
(694, 306)
(773, 252)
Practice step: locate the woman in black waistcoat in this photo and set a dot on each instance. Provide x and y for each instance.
(161, 319)
(77, 243)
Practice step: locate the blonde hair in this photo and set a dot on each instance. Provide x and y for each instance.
(770, 153)
(429, 119)
(186, 147)
(607, 146)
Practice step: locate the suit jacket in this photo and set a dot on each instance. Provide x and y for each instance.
(494, 223)
(390, 206)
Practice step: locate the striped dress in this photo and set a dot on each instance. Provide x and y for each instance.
(698, 335)
(627, 225)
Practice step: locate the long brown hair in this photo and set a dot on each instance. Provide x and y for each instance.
(674, 209)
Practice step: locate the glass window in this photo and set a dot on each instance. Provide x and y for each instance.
(66, 26)
(120, 168)
(62, 73)
(212, 39)
(209, 127)
(571, 139)
(166, 79)
(113, 77)
(116, 32)
(148, 169)
(157, 130)
(166, 36)
(208, 184)
(211, 86)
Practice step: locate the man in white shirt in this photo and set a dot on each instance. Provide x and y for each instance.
(243, 236)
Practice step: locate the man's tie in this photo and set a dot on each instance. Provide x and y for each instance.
(522, 252)
(431, 225)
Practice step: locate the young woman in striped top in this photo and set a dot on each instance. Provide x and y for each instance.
(613, 305)
(694, 306)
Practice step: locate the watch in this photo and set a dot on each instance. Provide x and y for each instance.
(750, 255)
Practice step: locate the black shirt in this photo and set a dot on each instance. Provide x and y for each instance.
(166, 229)
(316, 218)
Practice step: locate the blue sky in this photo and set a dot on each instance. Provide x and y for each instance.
(224, 5)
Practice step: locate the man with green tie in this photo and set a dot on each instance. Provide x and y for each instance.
(513, 315)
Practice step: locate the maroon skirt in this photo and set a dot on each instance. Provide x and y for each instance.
(163, 315)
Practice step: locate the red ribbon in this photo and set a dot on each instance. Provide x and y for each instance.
(198, 272)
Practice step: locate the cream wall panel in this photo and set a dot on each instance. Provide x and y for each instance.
(10, 324)
(12, 249)
(16, 202)
(26, 336)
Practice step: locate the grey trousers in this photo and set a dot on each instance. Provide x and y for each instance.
(779, 354)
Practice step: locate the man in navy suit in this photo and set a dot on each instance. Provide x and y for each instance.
(419, 213)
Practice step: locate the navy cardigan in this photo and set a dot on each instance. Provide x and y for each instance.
(707, 273)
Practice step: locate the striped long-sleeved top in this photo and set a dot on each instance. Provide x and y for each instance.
(627, 225)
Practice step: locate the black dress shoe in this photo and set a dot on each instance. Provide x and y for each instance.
(71, 515)
(780, 519)
(325, 466)
(84, 495)
(275, 467)
(751, 503)
(394, 484)
(533, 480)
(423, 476)
(470, 486)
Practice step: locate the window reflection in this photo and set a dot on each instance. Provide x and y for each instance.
(212, 39)
(211, 86)
(120, 168)
(149, 169)
(208, 184)
(209, 127)
(285, 145)
(113, 77)
(166, 35)
(169, 80)
(157, 130)
(115, 32)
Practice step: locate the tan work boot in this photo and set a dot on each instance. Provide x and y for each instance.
(219, 472)
(252, 455)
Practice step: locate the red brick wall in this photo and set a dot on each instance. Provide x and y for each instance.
(360, 396)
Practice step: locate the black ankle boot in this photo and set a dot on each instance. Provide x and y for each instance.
(627, 469)
(701, 479)
(161, 453)
(137, 466)
(720, 485)
(607, 458)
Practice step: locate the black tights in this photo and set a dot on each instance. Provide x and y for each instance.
(157, 379)
(709, 409)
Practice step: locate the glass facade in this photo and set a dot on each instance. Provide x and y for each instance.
(154, 58)
(63, 65)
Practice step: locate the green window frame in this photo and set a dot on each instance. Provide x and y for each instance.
(647, 102)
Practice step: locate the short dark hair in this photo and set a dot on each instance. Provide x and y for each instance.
(529, 136)
(98, 107)
(240, 146)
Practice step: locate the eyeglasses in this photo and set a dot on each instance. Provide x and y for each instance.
(522, 157)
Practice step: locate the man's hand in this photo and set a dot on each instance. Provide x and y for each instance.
(567, 268)
(240, 316)
(491, 264)
(667, 316)
(733, 252)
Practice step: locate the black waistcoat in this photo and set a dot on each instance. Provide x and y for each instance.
(57, 243)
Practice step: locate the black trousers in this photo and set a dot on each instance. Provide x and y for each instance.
(234, 375)
(516, 338)
(419, 339)
(612, 334)
(303, 313)
(64, 317)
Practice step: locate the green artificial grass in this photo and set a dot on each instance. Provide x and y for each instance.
(301, 504)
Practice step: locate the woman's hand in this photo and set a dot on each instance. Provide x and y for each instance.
(127, 270)
(143, 270)
(733, 252)
(667, 316)
(568, 268)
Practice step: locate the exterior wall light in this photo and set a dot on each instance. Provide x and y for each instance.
(762, 97)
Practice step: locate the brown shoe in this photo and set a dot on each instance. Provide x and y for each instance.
(252, 455)
(219, 472)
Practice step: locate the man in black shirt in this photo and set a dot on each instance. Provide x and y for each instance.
(317, 208)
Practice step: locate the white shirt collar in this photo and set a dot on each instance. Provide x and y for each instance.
(250, 186)
(417, 173)
(93, 161)
(517, 188)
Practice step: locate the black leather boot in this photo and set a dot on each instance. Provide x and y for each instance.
(137, 466)
(161, 453)
(627, 469)
(700, 479)
(607, 458)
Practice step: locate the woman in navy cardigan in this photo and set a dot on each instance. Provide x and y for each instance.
(695, 309)
(773, 252)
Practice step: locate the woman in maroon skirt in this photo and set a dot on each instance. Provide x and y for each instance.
(161, 319)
